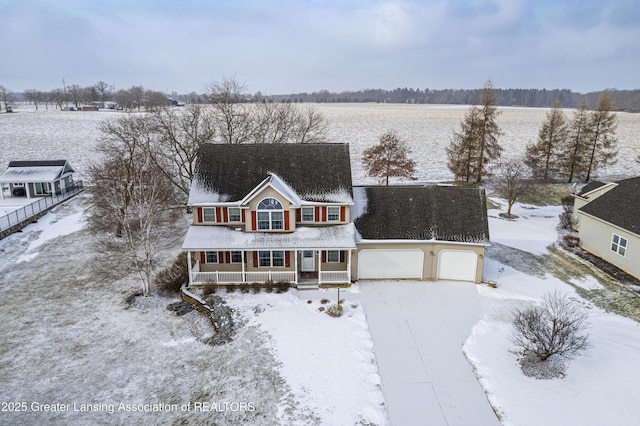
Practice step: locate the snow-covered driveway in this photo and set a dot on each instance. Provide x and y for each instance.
(418, 329)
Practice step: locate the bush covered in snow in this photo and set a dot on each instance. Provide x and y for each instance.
(171, 279)
(555, 329)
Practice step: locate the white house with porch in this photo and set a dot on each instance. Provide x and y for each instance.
(29, 179)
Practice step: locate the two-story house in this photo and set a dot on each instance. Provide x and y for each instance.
(287, 213)
(271, 213)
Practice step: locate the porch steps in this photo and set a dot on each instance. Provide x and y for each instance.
(309, 286)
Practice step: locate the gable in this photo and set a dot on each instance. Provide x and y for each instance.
(35, 171)
(618, 206)
(442, 213)
(315, 172)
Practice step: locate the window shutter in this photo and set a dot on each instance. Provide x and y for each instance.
(242, 212)
(255, 258)
(317, 217)
(203, 258)
(244, 256)
(324, 256)
(220, 257)
(286, 219)
(342, 253)
(299, 215)
(342, 213)
(324, 213)
(218, 214)
(254, 220)
(227, 257)
(287, 259)
(199, 214)
(225, 213)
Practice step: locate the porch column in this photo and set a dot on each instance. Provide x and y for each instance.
(26, 187)
(349, 266)
(295, 263)
(244, 279)
(319, 267)
(190, 271)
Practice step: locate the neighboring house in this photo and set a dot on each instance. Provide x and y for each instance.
(285, 212)
(36, 178)
(608, 224)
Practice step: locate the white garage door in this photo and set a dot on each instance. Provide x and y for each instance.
(390, 264)
(457, 265)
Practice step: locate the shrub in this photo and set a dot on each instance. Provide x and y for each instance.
(171, 279)
(231, 288)
(282, 286)
(209, 288)
(324, 301)
(555, 328)
(566, 216)
(334, 311)
(255, 288)
(244, 288)
(570, 241)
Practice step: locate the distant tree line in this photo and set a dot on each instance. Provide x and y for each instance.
(624, 100)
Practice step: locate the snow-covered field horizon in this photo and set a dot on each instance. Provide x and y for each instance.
(51, 134)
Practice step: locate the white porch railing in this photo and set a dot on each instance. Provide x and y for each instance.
(334, 277)
(241, 277)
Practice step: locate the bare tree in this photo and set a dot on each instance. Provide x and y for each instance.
(103, 91)
(7, 98)
(179, 133)
(542, 157)
(311, 126)
(512, 181)
(602, 138)
(555, 328)
(77, 94)
(389, 158)
(235, 123)
(154, 100)
(58, 97)
(274, 122)
(131, 195)
(34, 96)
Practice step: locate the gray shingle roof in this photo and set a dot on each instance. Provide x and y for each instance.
(316, 171)
(594, 184)
(444, 213)
(619, 205)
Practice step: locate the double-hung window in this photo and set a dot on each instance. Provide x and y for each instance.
(208, 214)
(236, 257)
(270, 214)
(333, 214)
(333, 256)
(234, 214)
(308, 214)
(619, 244)
(270, 258)
(211, 257)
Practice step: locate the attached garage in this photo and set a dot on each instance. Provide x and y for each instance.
(390, 264)
(457, 265)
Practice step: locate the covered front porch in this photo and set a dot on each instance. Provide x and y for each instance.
(297, 267)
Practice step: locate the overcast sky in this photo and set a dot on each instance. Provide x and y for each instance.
(290, 46)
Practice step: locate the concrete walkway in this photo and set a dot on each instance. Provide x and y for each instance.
(418, 329)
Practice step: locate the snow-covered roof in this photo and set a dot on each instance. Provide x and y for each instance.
(32, 174)
(223, 238)
(35, 171)
(201, 194)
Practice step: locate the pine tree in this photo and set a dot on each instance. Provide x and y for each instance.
(462, 152)
(476, 144)
(572, 154)
(488, 147)
(602, 140)
(542, 157)
(390, 158)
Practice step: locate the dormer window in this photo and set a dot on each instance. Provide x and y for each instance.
(333, 214)
(270, 214)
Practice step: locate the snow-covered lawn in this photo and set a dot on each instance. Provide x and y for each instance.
(69, 341)
(600, 386)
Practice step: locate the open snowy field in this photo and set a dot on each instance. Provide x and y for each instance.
(28, 134)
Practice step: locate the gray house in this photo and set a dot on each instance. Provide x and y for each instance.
(286, 212)
(608, 224)
(36, 178)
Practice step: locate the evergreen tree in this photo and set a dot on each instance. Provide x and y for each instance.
(462, 152)
(476, 144)
(601, 140)
(542, 157)
(573, 153)
(390, 158)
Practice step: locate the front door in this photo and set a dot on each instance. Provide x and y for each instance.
(308, 261)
